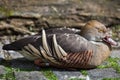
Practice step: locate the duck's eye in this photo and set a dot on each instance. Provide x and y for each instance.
(99, 30)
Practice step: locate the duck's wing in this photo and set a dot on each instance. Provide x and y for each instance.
(34, 47)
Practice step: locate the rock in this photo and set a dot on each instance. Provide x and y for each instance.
(1, 56)
(66, 75)
(117, 47)
(34, 75)
(1, 52)
(26, 24)
(55, 13)
(115, 54)
(15, 54)
(63, 6)
(9, 28)
(99, 74)
(2, 79)
(10, 54)
(24, 64)
(2, 70)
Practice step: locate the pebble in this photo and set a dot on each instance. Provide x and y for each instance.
(99, 74)
(66, 75)
(34, 75)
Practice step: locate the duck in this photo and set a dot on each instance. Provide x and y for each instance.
(66, 47)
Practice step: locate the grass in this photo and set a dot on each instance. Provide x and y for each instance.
(49, 74)
(112, 63)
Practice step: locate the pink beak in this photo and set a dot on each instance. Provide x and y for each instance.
(110, 40)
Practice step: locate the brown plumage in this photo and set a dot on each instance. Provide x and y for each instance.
(66, 48)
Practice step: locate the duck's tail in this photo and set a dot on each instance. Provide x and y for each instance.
(8, 47)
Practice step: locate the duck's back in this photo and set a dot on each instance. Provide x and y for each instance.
(69, 42)
(36, 39)
(62, 30)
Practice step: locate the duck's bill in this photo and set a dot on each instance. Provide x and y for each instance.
(110, 41)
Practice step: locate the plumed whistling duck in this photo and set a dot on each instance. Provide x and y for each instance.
(66, 47)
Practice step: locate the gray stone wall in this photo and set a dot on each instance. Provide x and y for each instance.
(55, 12)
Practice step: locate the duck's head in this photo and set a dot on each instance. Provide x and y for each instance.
(96, 31)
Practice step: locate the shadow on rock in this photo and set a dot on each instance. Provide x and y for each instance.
(26, 65)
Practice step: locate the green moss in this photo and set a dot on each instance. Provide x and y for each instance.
(84, 72)
(9, 71)
(9, 75)
(49, 74)
(117, 27)
(112, 63)
(111, 79)
(6, 11)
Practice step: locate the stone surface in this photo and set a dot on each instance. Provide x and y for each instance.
(2, 70)
(24, 64)
(1, 53)
(15, 55)
(115, 54)
(98, 74)
(66, 75)
(34, 75)
(59, 13)
(63, 6)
